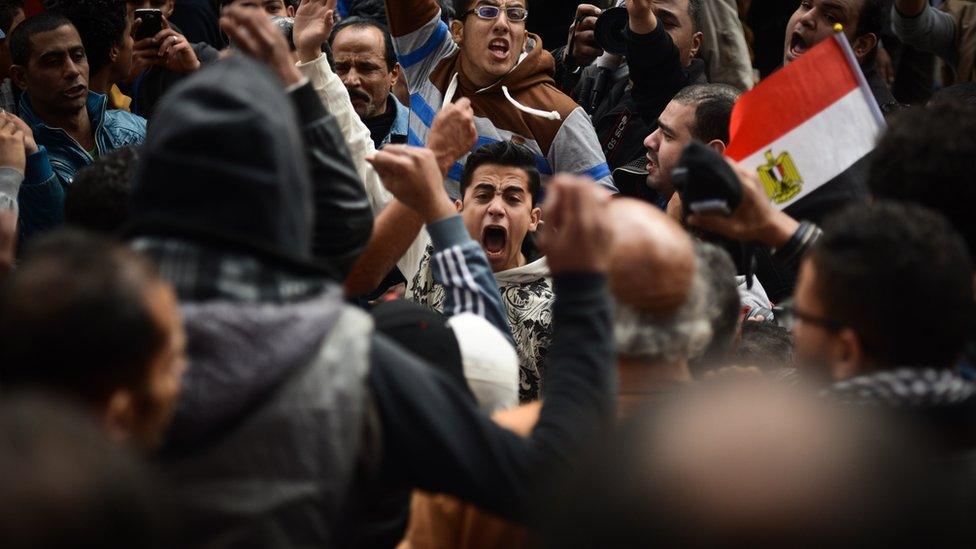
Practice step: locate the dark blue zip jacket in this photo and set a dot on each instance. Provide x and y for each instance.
(52, 168)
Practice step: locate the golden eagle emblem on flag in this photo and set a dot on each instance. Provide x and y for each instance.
(780, 177)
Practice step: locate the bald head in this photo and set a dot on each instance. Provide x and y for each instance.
(653, 260)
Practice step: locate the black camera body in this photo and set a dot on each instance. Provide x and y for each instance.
(705, 181)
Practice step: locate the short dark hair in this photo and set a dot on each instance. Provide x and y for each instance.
(926, 156)
(713, 110)
(20, 39)
(871, 19)
(7, 10)
(695, 12)
(101, 25)
(88, 293)
(365, 23)
(765, 345)
(957, 93)
(98, 198)
(503, 153)
(882, 269)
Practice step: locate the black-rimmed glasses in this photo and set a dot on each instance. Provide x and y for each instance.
(787, 315)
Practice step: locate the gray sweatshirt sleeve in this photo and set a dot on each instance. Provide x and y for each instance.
(459, 264)
(932, 30)
(10, 180)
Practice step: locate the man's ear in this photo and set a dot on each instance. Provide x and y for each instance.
(395, 75)
(290, 10)
(119, 416)
(113, 53)
(849, 355)
(535, 216)
(696, 43)
(717, 145)
(459, 205)
(863, 45)
(457, 32)
(18, 74)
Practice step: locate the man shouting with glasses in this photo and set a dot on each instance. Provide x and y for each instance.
(488, 56)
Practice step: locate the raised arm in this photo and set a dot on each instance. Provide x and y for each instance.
(407, 16)
(343, 218)
(420, 38)
(756, 220)
(41, 195)
(395, 239)
(910, 8)
(13, 160)
(459, 263)
(655, 63)
(926, 28)
(434, 437)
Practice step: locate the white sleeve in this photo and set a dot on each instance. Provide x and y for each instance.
(334, 96)
(409, 264)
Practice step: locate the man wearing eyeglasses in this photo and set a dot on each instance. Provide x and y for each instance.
(856, 311)
(488, 56)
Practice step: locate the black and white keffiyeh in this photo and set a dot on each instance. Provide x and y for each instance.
(905, 388)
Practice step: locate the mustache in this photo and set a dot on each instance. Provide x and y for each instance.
(353, 94)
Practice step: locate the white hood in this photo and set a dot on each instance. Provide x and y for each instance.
(526, 273)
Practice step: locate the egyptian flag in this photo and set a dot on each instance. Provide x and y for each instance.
(806, 123)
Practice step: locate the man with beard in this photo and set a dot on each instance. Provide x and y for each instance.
(700, 112)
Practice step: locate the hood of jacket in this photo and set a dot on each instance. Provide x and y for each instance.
(240, 353)
(224, 161)
(530, 272)
(535, 66)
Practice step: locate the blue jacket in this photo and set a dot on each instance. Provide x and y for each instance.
(401, 124)
(52, 168)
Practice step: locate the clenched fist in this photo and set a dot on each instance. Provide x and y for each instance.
(411, 174)
(453, 133)
(578, 237)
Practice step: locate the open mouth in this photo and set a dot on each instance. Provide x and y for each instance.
(493, 240)
(798, 45)
(651, 162)
(499, 48)
(75, 91)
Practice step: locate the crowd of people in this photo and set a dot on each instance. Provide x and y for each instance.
(422, 274)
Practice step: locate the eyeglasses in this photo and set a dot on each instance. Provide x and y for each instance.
(514, 14)
(787, 316)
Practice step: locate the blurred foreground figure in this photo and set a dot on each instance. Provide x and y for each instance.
(294, 409)
(736, 465)
(119, 347)
(64, 485)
